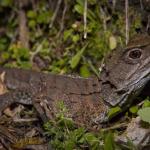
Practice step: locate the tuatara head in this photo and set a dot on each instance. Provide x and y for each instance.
(126, 72)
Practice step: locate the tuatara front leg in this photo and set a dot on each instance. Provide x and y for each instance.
(22, 96)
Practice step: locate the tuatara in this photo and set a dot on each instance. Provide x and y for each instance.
(88, 100)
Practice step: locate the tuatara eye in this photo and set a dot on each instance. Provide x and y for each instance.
(135, 53)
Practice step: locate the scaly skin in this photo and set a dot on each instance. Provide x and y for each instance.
(80, 96)
(125, 74)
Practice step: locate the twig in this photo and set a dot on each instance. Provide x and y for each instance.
(62, 19)
(4, 144)
(25, 120)
(140, 104)
(114, 4)
(121, 125)
(148, 23)
(141, 4)
(5, 133)
(85, 19)
(55, 14)
(127, 20)
(103, 17)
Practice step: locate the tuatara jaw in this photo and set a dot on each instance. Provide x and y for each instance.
(133, 90)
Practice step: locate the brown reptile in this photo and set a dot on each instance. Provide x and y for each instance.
(88, 100)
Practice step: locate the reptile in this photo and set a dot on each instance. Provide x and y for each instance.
(125, 73)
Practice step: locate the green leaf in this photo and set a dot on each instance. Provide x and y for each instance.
(144, 113)
(92, 2)
(67, 34)
(146, 103)
(78, 133)
(44, 17)
(69, 145)
(6, 3)
(25, 64)
(75, 38)
(21, 54)
(31, 14)
(84, 71)
(78, 8)
(133, 109)
(76, 59)
(66, 122)
(109, 142)
(112, 42)
(5, 55)
(92, 67)
(113, 112)
(91, 139)
(32, 23)
(3, 44)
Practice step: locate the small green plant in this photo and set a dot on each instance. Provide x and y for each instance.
(65, 135)
(144, 114)
(62, 131)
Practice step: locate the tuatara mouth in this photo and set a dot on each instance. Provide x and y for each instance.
(124, 97)
(133, 89)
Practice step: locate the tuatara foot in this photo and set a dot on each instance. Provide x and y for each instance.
(138, 135)
(21, 96)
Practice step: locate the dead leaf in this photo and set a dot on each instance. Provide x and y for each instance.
(3, 88)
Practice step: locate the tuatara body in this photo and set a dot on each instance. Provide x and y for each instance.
(88, 100)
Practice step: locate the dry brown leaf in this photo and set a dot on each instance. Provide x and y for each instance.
(3, 88)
